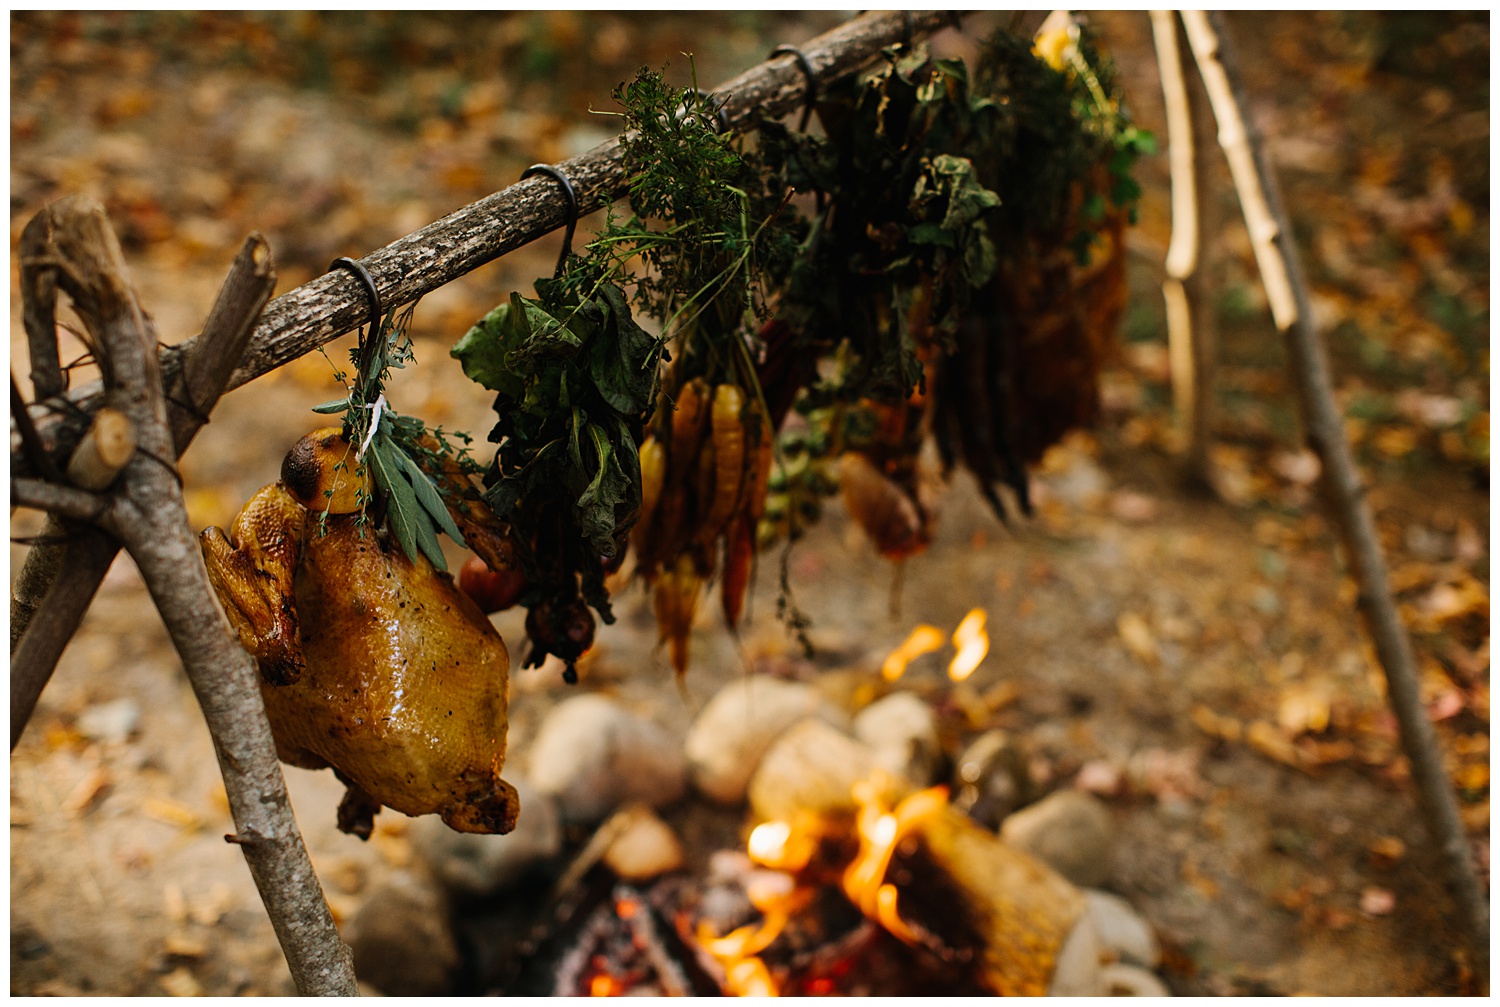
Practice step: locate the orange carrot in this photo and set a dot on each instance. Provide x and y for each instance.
(729, 456)
(739, 559)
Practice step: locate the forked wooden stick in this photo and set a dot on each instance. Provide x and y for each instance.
(145, 512)
(1287, 289)
(62, 573)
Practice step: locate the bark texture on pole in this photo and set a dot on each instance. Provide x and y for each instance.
(323, 309)
(146, 513)
(1287, 289)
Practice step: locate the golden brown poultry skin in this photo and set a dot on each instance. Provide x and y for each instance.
(403, 680)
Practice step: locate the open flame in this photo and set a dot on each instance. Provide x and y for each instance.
(605, 985)
(923, 640)
(973, 644)
(880, 831)
(776, 896)
(785, 846)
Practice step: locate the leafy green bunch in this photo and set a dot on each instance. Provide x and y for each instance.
(709, 225)
(575, 376)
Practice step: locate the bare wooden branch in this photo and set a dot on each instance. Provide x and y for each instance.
(39, 314)
(213, 356)
(1287, 289)
(1202, 285)
(64, 501)
(87, 556)
(36, 644)
(148, 515)
(31, 442)
(323, 309)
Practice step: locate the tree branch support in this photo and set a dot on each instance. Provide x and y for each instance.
(145, 512)
(1287, 290)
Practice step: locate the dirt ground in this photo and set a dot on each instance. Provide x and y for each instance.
(1196, 658)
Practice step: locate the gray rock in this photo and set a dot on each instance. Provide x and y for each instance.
(403, 940)
(592, 755)
(991, 779)
(1119, 980)
(646, 849)
(811, 767)
(472, 866)
(110, 722)
(733, 731)
(902, 731)
(1076, 972)
(1069, 830)
(1122, 931)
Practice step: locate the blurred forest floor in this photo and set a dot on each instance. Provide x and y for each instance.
(1197, 660)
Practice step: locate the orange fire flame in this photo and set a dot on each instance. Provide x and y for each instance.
(605, 985)
(785, 846)
(745, 974)
(923, 640)
(880, 831)
(973, 644)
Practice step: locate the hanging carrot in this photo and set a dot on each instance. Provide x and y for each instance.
(653, 476)
(729, 457)
(688, 422)
(758, 475)
(739, 560)
(675, 601)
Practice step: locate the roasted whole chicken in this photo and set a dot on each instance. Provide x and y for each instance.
(373, 665)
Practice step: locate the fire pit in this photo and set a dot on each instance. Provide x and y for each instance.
(854, 871)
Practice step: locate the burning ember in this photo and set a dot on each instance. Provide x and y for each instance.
(745, 974)
(972, 643)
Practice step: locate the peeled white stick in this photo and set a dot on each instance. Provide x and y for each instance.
(1182, 253)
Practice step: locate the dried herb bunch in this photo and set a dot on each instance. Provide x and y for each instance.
(963, 279)
(957, 276)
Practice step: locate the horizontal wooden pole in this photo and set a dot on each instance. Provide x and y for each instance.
(323, 309)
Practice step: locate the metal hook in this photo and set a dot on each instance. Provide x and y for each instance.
(547, 169)
(368, 340)
(807, 72)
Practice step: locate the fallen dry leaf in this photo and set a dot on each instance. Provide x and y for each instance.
(180, 983)
(1099, 777)
(1303, 709)
(1216, 725)
(1137, 637)
(1385, 851)
(174, 904)
(1267, 739)
(1474, 776)
(88, 790)
(185, 945)
(1395, 442)
(208, 910)
(1132, 507)
(164, 809)
(1301, 468)
(1375, 901)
